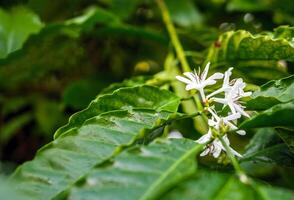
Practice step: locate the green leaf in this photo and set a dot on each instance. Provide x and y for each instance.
(242, 45)
(16, 25)
(8, 192)
(141, 173)
(92, 16)
(184, 13)
(29, 66)
(262, 139)
(122, 8)
(112, 25)
(278, 115)
(272, 93)
(98, 135)
(266, 147)
(287, 136)
(255, 56)
(211, 185)
(127, 99)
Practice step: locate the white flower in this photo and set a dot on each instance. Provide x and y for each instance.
(233, 95)
(198, 80)
(217, 121)
(205, 138)
(231, 91)
(226, 83)
(215, 147)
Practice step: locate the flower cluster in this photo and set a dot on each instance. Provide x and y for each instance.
(228, 95)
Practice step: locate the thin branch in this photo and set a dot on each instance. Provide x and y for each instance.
(235, 163)
(173, 35)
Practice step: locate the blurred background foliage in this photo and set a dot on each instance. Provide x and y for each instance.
(56, 56)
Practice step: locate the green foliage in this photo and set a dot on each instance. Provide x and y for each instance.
(184, 13)
(7, 191)
(93, 136)
(272, 93)
(255, 55)
(278, 115)
(175, 160)
(16, 26)
(142, 97)
(244, 46)
(116, 61)
(266, 147)
(215, 185)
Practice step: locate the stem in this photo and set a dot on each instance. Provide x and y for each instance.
(173, 35)
(235, 163)
(199, 123)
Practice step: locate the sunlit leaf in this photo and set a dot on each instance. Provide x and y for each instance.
(126, 99)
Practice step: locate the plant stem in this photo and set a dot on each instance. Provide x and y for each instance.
(235, 163)
(173, 35)
(199, 123)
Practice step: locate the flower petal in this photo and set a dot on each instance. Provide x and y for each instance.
(205, 152)
(215, 92)
(191, 86)
(227, 75)
(232, 117)
(241, 132)
(208, 82)
(235, 153)
(183, 79)
(241, 111)
(205, 138)
(246, 94)
(216, 151)
(205, 72)
(217, 75)
(190, 75)
(220, 100)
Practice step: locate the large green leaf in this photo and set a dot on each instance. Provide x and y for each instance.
(243, 46)
(266, 147)
(278, 115)
(272, 93)
(127, 99)
(141, 173)
(102, 134)
(255, 56)
(211, 185)
(8, 192)
(15, 27)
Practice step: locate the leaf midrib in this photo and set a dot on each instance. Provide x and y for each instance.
(158, 182)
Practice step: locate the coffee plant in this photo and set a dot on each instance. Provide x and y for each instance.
(165, 99)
